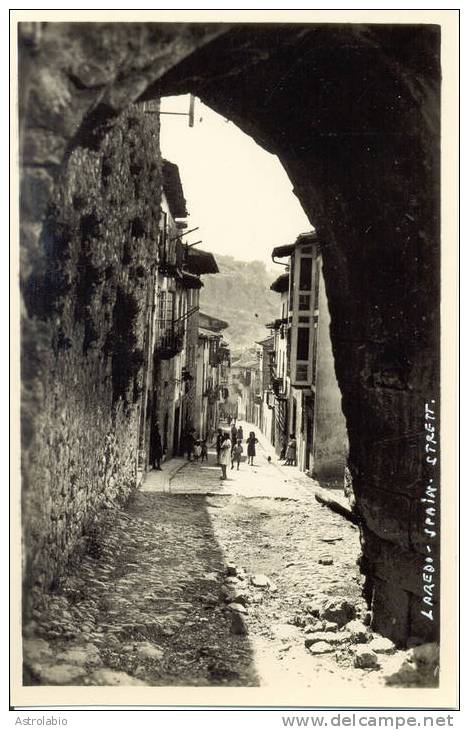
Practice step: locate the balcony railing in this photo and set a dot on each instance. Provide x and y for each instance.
(170, 341)
(278, 387)
(171, 257)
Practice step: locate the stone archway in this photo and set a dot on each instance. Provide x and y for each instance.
(353, 114)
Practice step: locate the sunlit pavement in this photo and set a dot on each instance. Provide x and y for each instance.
(148, 603)
(264, 479)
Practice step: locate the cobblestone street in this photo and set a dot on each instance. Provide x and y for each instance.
(199, 582)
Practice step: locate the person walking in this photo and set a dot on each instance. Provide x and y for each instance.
(236, 452)
(218, 444)
(251, 442)
(234, 433)
(283, 450)
(225, 455)
(240, 434)
(157, 449)
(204, 451)
(197, 450)
(291, 451)
(190, 441)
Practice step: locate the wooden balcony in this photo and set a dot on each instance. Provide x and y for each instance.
(170, 342)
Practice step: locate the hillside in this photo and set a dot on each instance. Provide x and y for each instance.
(237, 294)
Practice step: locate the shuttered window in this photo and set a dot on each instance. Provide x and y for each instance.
(302, 348)
(165, 311)
(306, 270)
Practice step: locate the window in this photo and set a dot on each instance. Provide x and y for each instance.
(164, 237)
(302, 372)
(302, 348)
(165, 310)
(306, 270)
(304, 301)
(291, 280)
(316, 285)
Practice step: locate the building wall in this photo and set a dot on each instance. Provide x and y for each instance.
(314, 414)
(330, 441)
(192, 337)
(86, 291)
(200, 423)
(266, 418)
(164, 403)
(296, 425)
(168, 389)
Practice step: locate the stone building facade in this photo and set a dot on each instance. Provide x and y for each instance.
(87, 283)
(307, 399)
(109, 338)
(213, 362)
(170, 406)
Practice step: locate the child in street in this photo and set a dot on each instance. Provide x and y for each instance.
(251, 442)
(291, 451)
(225, 454)
(219, 443)
(197, 450)
(236, 452)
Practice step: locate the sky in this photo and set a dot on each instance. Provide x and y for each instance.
(237, 193)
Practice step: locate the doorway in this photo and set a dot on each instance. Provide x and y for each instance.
(177, 414)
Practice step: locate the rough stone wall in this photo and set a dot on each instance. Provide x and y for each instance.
(85, 296)
(330, 441)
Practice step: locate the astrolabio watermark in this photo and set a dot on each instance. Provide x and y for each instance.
(41, 721)
(430, 502)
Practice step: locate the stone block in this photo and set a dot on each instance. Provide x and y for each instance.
(365, 658)
(381, 645)
(237, 607)
(59, 674)
(147, 650)
(359, 633)
(260, 581)
(418, 667)
(238, 624)
(321, 647)
(43, 147)
(387, 515)
(338, 610)
(392, 563)
(37, 186)
(111, 678)
(390, 609)
(397, 463)
(329, 636)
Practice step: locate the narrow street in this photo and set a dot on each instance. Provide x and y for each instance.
(199, 582)
(230, 224)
